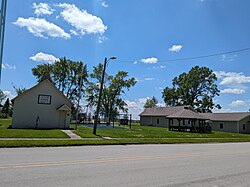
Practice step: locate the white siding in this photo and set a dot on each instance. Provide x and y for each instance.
(26, 109)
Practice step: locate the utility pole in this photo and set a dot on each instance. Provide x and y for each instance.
(100, 93)
(2, 29)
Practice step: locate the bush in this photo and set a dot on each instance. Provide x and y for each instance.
(3, 116)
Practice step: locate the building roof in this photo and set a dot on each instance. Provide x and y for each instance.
(64, 107)
(230, 116)
(186, 113)
(173, 112)
(46, 81)
(160, 111)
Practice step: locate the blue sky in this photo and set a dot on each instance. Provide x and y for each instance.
(142, 34)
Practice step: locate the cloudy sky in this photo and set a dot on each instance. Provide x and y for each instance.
(144, 35)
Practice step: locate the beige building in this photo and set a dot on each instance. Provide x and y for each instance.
(42, 106)
(181, 118)
(184, 117)
(238, 122)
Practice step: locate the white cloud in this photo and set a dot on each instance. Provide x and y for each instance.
(135, 62)
(101, 39)
(42, 28)
(175, 48)
(149, 79)
(136, 107)
(81, 20)
(42, 9)
(104, 4)
(8, 66)
(8, 94)
(237, 103)
(162, 67)
(228, 58)
(73, 32)
(42, 57)
(233, 91)
(231, 78)
(222, 110)
(151, 60)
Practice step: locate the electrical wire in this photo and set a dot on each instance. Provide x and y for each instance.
(197, 57)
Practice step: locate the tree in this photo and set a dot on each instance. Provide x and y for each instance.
(151, 103)
(6, 107)
(67, 75)
(196, 88)
(19, 90)
(114, 87)
(2, 96)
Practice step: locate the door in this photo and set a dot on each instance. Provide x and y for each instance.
(62, 119)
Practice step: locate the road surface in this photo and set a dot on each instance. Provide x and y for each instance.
(123, 166)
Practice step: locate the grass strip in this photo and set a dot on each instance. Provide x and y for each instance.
(56, 143)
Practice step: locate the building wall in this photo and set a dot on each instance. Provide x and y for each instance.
(152, 121)
(26, 109)
(228, 126)
(158, 121)
(163, 121)
(232, 126)
(245, 122)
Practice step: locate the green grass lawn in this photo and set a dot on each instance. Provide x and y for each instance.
(154, 132)
(27, 133)
(136, 135)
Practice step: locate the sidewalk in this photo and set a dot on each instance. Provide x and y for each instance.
(71, 134)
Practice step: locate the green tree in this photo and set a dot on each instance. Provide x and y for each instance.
(2, 96)
(6, 107)
(67, 75)
(152, 102)
(19, 90)
(113, 89)
(196, 88)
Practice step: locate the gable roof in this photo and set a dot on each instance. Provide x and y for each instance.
(186, 113)
(163, 111)
(230, 116)
(64, 107)
(43, 82)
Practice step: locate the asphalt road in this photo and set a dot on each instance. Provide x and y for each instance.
(134, 165)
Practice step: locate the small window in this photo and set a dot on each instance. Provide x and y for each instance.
(244, 127)
(158, 121)
(221, 125)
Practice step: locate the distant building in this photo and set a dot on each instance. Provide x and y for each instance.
(42, 106)
(238, 122)
(185, 117)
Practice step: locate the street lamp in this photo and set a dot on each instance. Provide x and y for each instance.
(100, 93)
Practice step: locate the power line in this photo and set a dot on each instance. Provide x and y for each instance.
(199, 57)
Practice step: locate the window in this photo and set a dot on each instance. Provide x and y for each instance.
(158, 121)
(221, 125)
(244, 127)
(44, 99)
